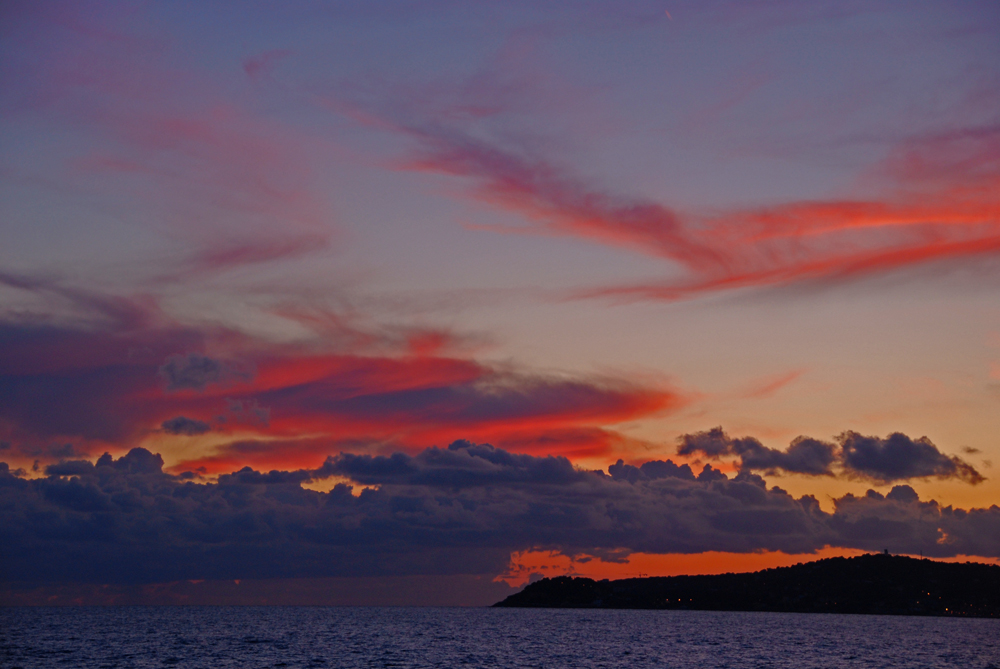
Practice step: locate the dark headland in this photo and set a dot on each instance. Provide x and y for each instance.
(869, 584)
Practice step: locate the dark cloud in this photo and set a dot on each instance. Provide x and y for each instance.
(659, 469)
(712, 443)
(70, 468)
(903, 493)
(46, 451)
(654, 469)
(185, 426)
(900, 519)
(895, 458)
(136, 461)
(463, 464)
(804, 456)
(248, 476)
(195, 371)
(898, 458)
(459, 510)
(247, 412)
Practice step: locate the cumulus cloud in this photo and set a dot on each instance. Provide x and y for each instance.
(654, 469)
(461, 465)
(185, 426)
(712, 443)
(898, 457)
(804, 456)
(895, 458)
(457, 510)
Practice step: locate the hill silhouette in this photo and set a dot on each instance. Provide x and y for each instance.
(867, 584)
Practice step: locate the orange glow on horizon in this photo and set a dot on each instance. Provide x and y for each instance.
(549, 563)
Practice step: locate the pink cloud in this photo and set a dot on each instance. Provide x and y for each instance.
(197, 160)
(260, 64)
(938, 201)
(131, 371)
(766, 387)
(769, 246)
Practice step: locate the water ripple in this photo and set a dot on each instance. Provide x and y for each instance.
(249, 637)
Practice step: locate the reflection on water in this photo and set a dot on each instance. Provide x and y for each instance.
(426, 637)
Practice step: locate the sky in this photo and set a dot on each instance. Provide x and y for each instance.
(415, 302)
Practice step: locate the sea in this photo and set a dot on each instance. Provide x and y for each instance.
(247, 637)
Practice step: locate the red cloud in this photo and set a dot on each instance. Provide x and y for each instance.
(421, 401)
(132, 372)
(352, 402)
(941, 202)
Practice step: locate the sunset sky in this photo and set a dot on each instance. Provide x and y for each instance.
(412, 302)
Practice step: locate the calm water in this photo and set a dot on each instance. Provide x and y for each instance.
(412, 637)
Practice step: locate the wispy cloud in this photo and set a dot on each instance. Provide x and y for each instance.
(229, 186)
(260, 64)
(937, 201)
(103, 383)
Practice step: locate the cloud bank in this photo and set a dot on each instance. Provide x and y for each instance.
(894, 458)
(460, 510)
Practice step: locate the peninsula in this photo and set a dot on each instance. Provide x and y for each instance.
(867, 584)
